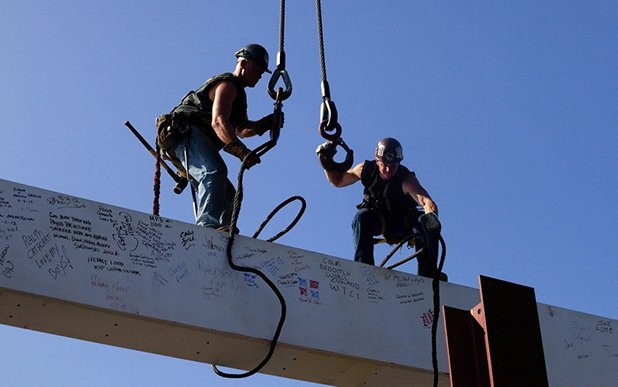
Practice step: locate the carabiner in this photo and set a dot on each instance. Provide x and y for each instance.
(328, 162)
(280, 72)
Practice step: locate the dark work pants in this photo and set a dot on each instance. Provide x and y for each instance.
(366, 224)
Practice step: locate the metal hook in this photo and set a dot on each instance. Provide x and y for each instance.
(327, 158)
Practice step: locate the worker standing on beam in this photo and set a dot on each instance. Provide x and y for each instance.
(210, 119)
(389, 208)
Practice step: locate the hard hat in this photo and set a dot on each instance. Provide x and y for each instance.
(389, 150)
(256, 53)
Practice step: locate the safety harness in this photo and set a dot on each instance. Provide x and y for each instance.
(387, 199)
(196, 108)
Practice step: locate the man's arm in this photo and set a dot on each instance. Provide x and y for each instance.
(413, 187)
(343, 179)
(246, 129)
(251, 128)
(223, 96)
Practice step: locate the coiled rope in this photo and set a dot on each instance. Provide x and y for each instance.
(277, 209)
(231, 235)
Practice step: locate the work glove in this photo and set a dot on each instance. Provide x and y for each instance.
(328, 149)
(238, 149)
(430, 222)
(326, 152)
(266, 123)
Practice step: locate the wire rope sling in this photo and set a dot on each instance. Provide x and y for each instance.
(329, 127)
(278, 96)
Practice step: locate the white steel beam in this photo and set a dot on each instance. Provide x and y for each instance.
(101, 273)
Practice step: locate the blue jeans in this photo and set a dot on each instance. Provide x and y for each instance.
(215, 193)
(367, 224)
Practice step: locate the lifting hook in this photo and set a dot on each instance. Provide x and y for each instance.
(326, 156)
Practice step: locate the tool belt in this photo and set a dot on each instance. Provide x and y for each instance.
(170, 130)
(174, 127)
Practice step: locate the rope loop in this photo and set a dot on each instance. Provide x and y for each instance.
(231, 235)
(303, 206)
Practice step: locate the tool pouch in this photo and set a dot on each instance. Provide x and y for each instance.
(170, 130)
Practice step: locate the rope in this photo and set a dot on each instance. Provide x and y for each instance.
(273, 343)
(259, 151)
(273, 212)
(397, 247)
(157, 184)
(411, 257)
(436, 313)
(235, 213)
(436, 293)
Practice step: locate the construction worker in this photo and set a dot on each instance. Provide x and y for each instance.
(214, 117)
(389, 208)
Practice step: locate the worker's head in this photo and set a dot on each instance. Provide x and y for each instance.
(252, 63)
(388, 156)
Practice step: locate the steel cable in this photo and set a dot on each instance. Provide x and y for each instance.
(273, 343)
(321, 40)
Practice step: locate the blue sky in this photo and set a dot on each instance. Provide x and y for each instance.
(507, 112)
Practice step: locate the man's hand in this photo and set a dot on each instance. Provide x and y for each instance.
(327, 149)
(431, 222)
(266, 123)
(239, 150)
